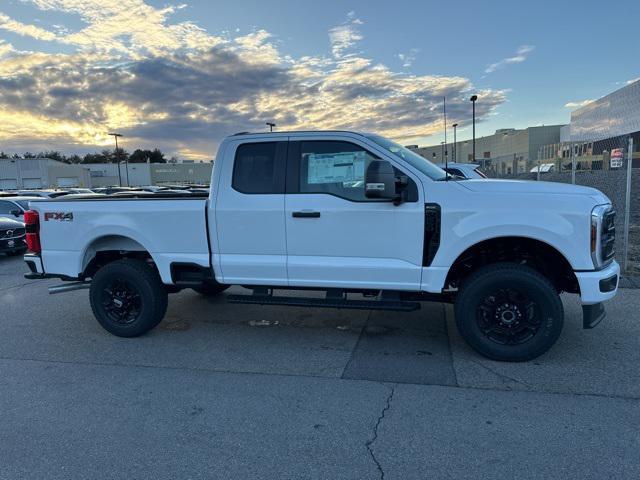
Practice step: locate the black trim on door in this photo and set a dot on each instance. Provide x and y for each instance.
(432, 226)
(304, 214)
(293, 167)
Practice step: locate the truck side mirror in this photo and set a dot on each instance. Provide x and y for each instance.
(380, 181)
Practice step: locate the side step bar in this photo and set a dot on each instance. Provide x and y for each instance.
(395, 305)
(69, 287)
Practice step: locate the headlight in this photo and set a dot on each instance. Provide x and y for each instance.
(603, 235)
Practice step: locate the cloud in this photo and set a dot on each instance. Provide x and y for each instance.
(5, 49)
(183, 89)
(520, 56)
(343, 37)
(19, 28)
(408, 58)
(578, 104)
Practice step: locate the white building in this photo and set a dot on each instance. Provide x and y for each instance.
(137, 174)
(35, 173)
(29, 173)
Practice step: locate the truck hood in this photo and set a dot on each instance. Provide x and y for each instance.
(518, 187)
(6, 222)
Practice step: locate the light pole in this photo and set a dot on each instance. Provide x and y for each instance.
(455, 145)
(116, 135)
(444, 111)
(442, 148)
(473, 102)
(271, 125)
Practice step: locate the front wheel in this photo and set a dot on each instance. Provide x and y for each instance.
(509, 312)
(128, 298)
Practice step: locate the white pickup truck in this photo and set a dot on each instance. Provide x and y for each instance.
(371, 223)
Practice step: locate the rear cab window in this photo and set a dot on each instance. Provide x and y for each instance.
(259, 168)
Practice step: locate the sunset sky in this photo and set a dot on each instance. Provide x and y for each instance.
(181, 76)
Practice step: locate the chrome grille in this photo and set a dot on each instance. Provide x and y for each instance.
(8, 233)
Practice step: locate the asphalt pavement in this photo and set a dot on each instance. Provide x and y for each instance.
(222, 391)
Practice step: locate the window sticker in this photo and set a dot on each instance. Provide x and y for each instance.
(335, 167)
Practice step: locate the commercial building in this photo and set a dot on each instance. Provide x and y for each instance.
(613, 115)
(137, 174)
(508, 151)
(35, 173)
(597, 138)
(29, 173)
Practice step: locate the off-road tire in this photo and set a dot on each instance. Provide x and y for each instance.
(474, 310)
(147, 288)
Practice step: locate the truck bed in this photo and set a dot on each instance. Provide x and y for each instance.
(172, 228)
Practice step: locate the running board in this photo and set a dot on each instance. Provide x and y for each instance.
(395, 305)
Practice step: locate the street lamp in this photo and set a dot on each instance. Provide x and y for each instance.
(271, 125)
(455, 145)
(473, 102)
(116, 135)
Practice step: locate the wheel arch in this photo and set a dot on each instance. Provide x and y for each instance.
(536, 253)
(108, 248)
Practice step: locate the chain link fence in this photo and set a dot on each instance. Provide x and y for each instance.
(611, 165)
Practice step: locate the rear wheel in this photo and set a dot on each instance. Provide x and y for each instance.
(509, 312)
(210, 288)
(128, 298)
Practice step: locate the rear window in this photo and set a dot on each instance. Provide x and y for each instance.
(259, 168)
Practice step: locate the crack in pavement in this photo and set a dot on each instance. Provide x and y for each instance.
(371, 441)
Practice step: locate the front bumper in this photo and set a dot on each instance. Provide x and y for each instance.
(599, 285)
(14, 244)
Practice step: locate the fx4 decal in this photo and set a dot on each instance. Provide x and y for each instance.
(59, 216)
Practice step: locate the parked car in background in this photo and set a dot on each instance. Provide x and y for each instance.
(544, 168)
(43, 193)
(187, 187)
(15, 206)
(115, 189)
(199, 190)
(463, 170)
(153, 188)
(12, 236)
(81, 191)
(160, 193)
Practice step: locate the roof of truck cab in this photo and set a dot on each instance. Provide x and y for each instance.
(294, 132)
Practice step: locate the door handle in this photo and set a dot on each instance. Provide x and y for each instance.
(305, 214)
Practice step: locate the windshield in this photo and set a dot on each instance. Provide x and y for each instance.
(24, 204)
(412, 158)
